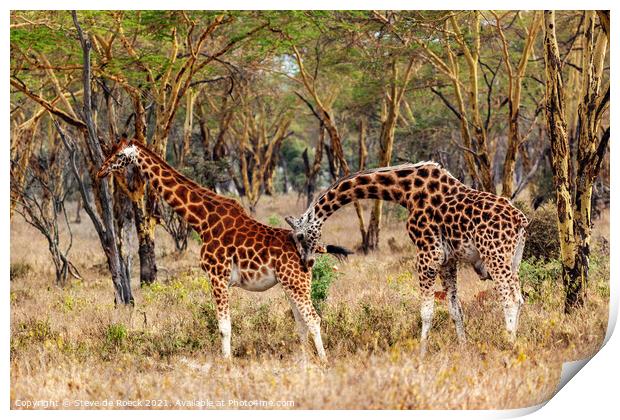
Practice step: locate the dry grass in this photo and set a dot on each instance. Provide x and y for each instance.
(72, 344)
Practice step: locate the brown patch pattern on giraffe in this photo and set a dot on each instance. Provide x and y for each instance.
(448, 221)
(237, 250)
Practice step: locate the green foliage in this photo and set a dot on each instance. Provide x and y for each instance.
(323, 274)
(292, 152)
(539, 278)
(116, 334)
(195, 236)
(70, 302)
(599, 267)
(274, 220)
(396, 212)
(206, 172)
(35, 330)
(184, 287)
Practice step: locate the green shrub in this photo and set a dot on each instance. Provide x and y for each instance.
(195, 236)
(539, 277)
(323, 274)
(115, 335)
(396, 212)
(273, 220)
(599, 267)
(542, 239)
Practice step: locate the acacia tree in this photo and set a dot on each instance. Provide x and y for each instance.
(76, 58)
(167, 81)
(393, 74)
(573, 185)
(474, 144)
(312, 169)
(261, 125)
(319, 92)
(515, 85)
(22, 146)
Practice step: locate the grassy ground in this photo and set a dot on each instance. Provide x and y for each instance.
(71, 344)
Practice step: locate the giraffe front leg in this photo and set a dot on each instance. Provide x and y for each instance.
(512, 306)
(302, 329)
(507, 286)
(220, 295)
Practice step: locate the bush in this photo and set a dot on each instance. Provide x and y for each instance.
(19, 270)
(195, 237)
(115, 335)
(323, 274)
(542, 239)
(273, 220)
(539, 277)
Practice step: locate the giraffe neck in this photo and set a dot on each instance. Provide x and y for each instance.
(395, 184)
(187, 198)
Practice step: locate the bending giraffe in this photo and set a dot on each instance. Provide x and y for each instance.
(237, 250)
(448, 221)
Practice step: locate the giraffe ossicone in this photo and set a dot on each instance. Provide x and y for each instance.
(448, 222)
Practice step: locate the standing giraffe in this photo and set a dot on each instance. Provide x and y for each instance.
(448, 221)
(237, 250)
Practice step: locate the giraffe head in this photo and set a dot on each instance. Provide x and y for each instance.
(307, 234)
(124, 154)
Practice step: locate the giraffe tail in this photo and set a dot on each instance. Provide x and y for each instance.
(338, 251)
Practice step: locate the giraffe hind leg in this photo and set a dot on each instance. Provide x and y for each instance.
(301, 302)
(428, 262)
(219, 285)
(448, 279)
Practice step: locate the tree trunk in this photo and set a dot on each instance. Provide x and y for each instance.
(560, 155)
(590, 111)
(187, 127)
(104, 225)
(391, 111)
(78, 211)
(388, 127)
(312, 171)
(514, 101)
(146, 248)
(337, 162)
(574, 217)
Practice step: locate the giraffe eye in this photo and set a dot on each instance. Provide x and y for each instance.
(300, 236)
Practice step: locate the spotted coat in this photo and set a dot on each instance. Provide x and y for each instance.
(448, 221)
(237, 250)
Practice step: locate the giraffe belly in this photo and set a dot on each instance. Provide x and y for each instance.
(260, 282)
(254, 281)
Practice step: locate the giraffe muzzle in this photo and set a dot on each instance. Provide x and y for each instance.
(308, 262)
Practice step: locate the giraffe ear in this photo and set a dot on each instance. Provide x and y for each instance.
(291, 221)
